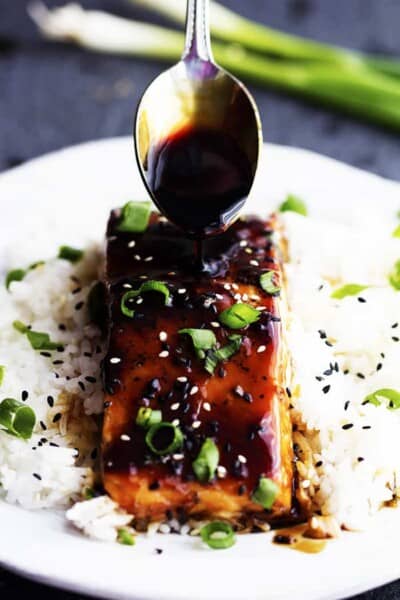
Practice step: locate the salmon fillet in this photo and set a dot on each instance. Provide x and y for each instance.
(242, 406)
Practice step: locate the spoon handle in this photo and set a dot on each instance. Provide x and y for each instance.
(198, 44)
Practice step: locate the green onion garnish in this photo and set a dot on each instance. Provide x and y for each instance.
(147, 286)
(396, 232)
(125, 537)
(72, 254)
(96, 303)
(14, 275)
(203, 339)
(218, 535)
(388, 394)
(89, 493)
(213, 357)
(17, 418)
(147, 417)
(294, 204)
(37, 339)
(350, 289)
(206, 462)
(135, 217)
(239, 315)
(267, 283)
(394, 277)
(2, 372)
(265, 493)
(164, 438)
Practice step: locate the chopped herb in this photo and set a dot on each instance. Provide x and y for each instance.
(135, 217)
(350, 289)
(393, 396)
(203, 339)
(218, 535)
(72, 254)
(14, 275)
(294, 204)
(125, 537)
(37, 339)
(267, 283)
(265, 493)
(147, 286)
(206, 462)
(88, 493)
(213, 357)
(394, 276)
(2, 372)
(147, 417)
(239, 315)
(17, 418)
(164, 438)
(36, 264)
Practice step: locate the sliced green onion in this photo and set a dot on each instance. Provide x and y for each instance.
(213, 357)
(17, 418)
(14, 275)
(203, 339)
(207, 460)
(394, 276)
(125, 537)
(147, 286)
(36, 264)
(239, 315)
(147, 417)
(218, 535)
(388, 394)
(37, 339)
(173, 438)
(2, 373)
(267, 283)
(350, 289)
(135, 217)
(265, 493)
(396, 232)
(89, 493)
(68, 253)
(96, 303)
(294, 204)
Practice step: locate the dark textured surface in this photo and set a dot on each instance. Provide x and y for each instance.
(53, 96)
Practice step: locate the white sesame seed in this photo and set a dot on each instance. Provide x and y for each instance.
(172, 273)
(127, 286)
(194, 390)
(207, 302)
(207, 406)
(175, 406)
(255, 297)
(115, 360)
(215, 324)
(255, 263)
(164, 354)
(221, 471)
(237, 297)
(260, 308)
(137, 257)
(164, 528)
(182, 291)
(235, 286)
(227, 286)
(182, 379)
(196, 424)
(175, 422)
(125, 438)
(143, 277)
(242, 459)
(243, 244)
(306, 483)
(245, 297)
(132, 244)
(219, 296)
(178, 456)
(110, 463)
(139, 300)
(163, 336)
(261, 349)
(184, 529)
(249, 251)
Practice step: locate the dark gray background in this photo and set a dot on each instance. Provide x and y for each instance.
(54, 95)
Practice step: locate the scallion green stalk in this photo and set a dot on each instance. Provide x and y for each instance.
(360, 92)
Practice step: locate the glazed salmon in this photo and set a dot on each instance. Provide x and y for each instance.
(236, 399)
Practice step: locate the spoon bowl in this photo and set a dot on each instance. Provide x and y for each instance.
(198, 137)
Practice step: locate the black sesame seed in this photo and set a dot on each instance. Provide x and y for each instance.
(57, 417)
(154, 485)
(81, 385)
(328, 372)
(329, 344)
(289, 392)
(322, 334)
(87, 354)
(360, 459)
(347, 426)
(366, 427)
(79, 305)
(395, 339)
(319, 464)
(382, 355)
(58, 362)
(379, 366)
(395, 325)
(76, 290)
(54, 445)
(37, 476)
(62, 327)
(159, 550)
(326, 389)
(43, 425)
(24, 395)
(50, 401)
(90, 379)
(362, 300)
(45, 354)
(319, 378)
(346, 404)
(346, 372)
(360, 375)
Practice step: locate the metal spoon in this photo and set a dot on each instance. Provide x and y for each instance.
(197, 95)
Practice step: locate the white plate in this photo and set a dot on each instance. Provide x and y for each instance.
(42, 202)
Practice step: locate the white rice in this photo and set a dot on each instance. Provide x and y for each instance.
(322, 256)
